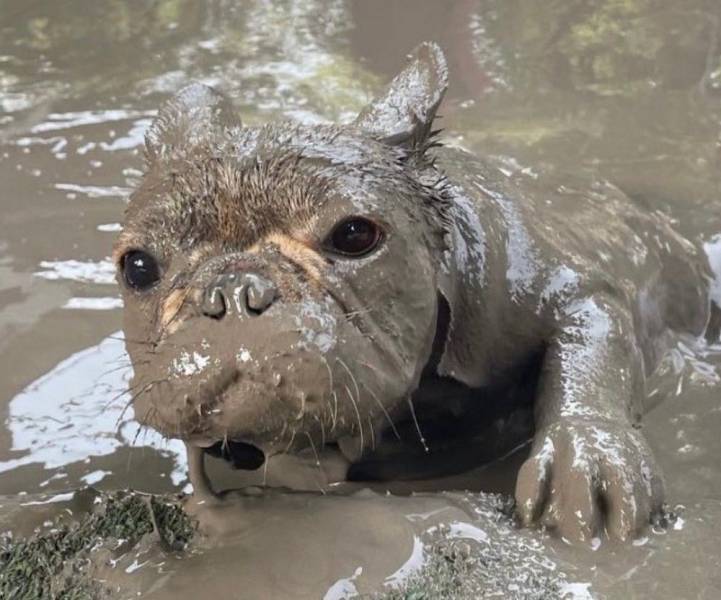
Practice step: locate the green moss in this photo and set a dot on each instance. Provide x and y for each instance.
(457, 570)
(461, 568)
(174, 527)
(54, 564)
(446, 574)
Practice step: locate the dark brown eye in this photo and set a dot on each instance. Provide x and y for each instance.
(140, 270)
(354, 237)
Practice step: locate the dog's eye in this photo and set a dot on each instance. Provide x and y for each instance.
(140, 270)
(354, 237)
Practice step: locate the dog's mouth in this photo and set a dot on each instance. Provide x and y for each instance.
(239, 454)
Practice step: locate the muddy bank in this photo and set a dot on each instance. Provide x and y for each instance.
(94, 545)
(357, 544)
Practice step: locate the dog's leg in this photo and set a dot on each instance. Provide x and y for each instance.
(589, 466)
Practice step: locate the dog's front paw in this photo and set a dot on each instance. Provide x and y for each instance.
(583, 477)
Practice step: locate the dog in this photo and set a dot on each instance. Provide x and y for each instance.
(291, 285)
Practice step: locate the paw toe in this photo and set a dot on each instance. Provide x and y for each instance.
(531, 490)
(581, 515)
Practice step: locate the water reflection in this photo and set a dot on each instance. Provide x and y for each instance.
(79, 412)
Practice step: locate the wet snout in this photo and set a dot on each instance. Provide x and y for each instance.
(238, 293)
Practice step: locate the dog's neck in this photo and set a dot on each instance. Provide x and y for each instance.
(473, 274)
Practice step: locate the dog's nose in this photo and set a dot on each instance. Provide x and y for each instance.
(238, 293)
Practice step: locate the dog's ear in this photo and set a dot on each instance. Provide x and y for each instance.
(403, 114)
(196, 114)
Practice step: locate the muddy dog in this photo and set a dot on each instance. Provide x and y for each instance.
(288, 285)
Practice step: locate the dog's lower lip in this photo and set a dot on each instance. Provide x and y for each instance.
(202, 442)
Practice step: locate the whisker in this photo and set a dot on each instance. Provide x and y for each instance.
(317, 462)
(352, 377)
(134, 397)
(119, 338)
(331, 391)
(418, 427)
(357, 414)
(330, 373)
(118, 422)
(125, 390)
(141, 427)
(122, 367)
(385, 412)
(292, 439)
(322, 433)
(113, 361)
(335, 411)
(312, 445)
(373, 433)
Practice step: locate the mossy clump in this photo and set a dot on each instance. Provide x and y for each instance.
(458, 570)
(54, 564)
(496, 564)
(172, 524)
(448, 573)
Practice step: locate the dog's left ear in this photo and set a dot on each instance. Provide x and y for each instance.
(403, 114)
(196, 114)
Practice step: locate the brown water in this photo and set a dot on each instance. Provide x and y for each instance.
(628, 89)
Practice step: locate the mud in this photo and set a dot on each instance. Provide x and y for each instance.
(628, 91)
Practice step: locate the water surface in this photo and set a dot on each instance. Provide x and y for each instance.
(629, 90)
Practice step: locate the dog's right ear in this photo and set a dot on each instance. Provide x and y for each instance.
(403, 113)
(196, 114)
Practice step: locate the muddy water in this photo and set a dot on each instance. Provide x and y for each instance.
(628, 90)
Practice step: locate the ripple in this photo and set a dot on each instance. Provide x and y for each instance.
(75, 412)
(110, 227)
(101, 272)
(108, 303)
(95, 191)
(69, 120)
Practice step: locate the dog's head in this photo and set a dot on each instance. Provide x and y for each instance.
(280, 282)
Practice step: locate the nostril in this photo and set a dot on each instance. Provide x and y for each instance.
(260, 294)
(214, 303)
(240, 294)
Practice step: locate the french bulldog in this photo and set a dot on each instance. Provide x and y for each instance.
(293, 285)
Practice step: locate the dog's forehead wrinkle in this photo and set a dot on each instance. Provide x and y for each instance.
(238, 201)
(277, 178)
